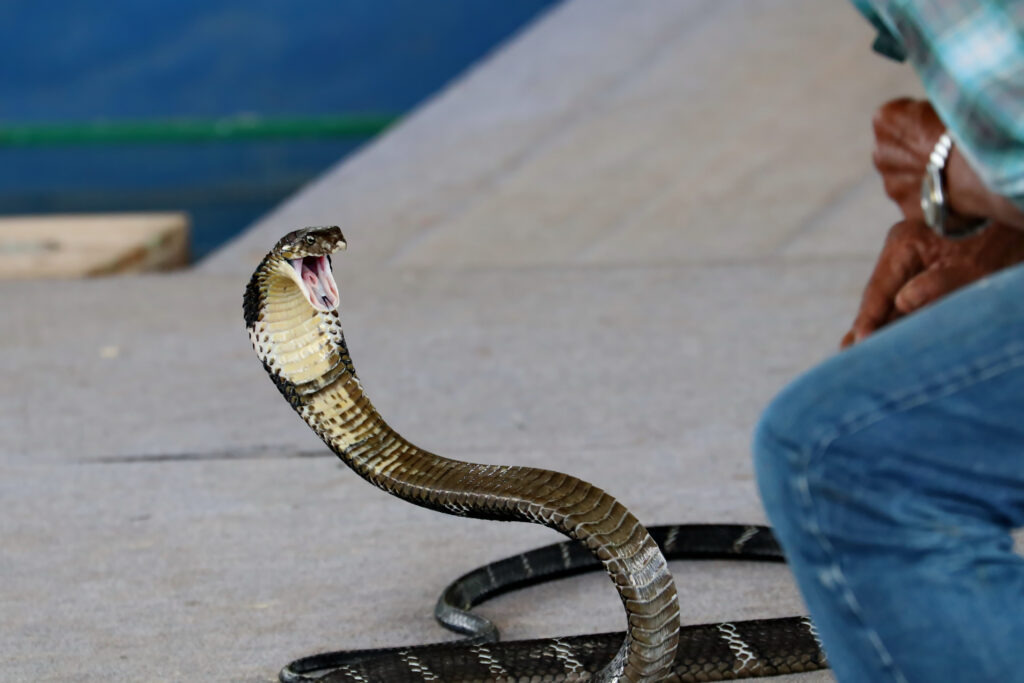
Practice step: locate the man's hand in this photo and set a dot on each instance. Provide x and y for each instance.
(906, 131)
(917, 267)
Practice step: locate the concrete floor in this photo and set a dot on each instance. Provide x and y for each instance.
(677, 202)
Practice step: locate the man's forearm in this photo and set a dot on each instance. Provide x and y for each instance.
(969, 196)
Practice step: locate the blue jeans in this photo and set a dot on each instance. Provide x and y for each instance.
(893, 474)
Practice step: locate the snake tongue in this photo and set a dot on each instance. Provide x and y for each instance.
(317, 281)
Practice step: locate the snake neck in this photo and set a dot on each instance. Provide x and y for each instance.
(305, 353)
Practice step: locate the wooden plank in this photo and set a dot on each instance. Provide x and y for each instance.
(78, 245)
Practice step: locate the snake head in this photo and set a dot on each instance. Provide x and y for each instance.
(306, 255)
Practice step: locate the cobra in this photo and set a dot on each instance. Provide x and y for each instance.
(290, 310)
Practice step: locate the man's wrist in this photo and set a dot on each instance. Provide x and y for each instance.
(968, 196)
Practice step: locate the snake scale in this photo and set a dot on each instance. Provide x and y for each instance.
(290, 310)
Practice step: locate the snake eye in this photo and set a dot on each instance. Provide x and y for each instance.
(310, 240)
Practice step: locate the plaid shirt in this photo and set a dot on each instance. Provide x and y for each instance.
(970, 57)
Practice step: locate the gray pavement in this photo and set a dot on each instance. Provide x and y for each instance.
(674, 202)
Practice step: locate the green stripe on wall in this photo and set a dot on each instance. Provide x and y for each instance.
(191, 130)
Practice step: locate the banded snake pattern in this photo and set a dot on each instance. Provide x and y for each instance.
(290, 310)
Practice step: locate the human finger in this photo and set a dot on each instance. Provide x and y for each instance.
(847, 340)
(931, 285)
(897, 264)
(890, 118)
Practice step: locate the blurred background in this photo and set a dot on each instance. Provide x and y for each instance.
(215, 109)
(599, 238)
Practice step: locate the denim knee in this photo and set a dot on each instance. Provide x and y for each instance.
(782, 441)
(772, 466)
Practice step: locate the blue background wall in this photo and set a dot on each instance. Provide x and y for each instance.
(67, 61)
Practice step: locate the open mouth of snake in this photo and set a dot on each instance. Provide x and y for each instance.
(317, 281)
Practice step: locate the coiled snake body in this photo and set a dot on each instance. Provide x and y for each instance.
(290, 312)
